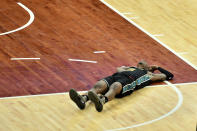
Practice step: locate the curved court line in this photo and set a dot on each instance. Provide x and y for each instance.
(24, 26)
(146, 32)
(180, 101)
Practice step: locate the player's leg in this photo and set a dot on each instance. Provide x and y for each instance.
(99, 101)
(99, 88)
(114, 90)
(80, 100)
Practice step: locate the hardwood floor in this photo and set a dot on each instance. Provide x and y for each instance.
(65, 29)
(74, 29)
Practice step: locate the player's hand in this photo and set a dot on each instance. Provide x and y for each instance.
(153, 68)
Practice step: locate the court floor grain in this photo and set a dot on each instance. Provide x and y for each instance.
(48, 47)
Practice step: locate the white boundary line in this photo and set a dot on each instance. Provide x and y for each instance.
(178, 84)
(180, 101)
(185, 83)
(27, 96)
(63, 93)
(153, 37)
(13, 97)
(82, 60)
(24, 26)
(25, 59)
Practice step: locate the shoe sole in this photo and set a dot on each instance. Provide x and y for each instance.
(74, 96)
(95, 99)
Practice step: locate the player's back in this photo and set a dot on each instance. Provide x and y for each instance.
(134, 73)
(139, 76)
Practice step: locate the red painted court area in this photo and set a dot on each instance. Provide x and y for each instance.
(73, 29)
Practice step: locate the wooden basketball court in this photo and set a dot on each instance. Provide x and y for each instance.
(48, 47)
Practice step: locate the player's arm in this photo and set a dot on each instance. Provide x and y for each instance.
(164, 75)
(168, 74)
(157, 77)
(122, 68)
(152, 68)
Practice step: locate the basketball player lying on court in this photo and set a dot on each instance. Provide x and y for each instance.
(120, 84)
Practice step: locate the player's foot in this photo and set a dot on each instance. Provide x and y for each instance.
(77, 98)
(96, 100)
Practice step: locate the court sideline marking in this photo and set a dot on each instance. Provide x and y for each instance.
(63, 93)
(146, 32)
(31, 14)
(179, 103)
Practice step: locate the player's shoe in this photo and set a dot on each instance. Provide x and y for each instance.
(77, 98)
(96, 100)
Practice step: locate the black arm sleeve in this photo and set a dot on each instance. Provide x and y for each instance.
(169, 75)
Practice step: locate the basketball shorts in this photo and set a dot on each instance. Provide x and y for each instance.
(123, 79)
